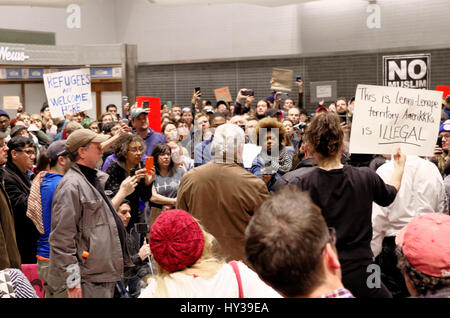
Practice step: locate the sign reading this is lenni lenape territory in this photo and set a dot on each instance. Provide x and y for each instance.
(68, 91)
(388, 118)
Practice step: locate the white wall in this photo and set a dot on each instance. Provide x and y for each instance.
(97, 22)
(204, 32)
(336, 26)
(201, 32)
(165, 34)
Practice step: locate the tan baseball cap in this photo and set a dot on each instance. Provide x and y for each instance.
(82, 137)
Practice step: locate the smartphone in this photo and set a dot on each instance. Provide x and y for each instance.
(197, 89)
(132, 172)
(439, 141)
(145, 104)
(298, 78)
(149, 164)
(142, 228)
(284, 95)
(248, 92)
(343, 118)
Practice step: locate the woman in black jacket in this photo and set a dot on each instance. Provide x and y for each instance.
(345, 195)
(129, 150)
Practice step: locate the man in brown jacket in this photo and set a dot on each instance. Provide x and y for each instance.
(221, 194)
(9, 252)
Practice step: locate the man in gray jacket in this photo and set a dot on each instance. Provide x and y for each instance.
(87, 240)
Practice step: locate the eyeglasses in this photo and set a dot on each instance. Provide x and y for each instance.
(28, 152)
(446, 136)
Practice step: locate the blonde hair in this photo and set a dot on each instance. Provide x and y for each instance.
(206, 267)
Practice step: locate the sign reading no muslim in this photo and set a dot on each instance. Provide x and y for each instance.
(68, 91)
(388, 118)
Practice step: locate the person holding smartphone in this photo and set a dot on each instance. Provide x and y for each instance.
(442, 147)
(129, 151)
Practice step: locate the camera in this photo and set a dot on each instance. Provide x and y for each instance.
(145, 104)
(133, 172)
(248, 92)
(447, 99)
(298, 78)
(301, 126)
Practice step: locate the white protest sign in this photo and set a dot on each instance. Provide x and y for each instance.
(388, 118)
(68, 91)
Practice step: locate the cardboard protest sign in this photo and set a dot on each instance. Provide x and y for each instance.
(11, 102)
(153, 104)
(68, 91)
(223, 94)
(388, 118)
(282, 79)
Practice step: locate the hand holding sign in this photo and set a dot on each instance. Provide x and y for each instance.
(68, 91)
(386, 118)
(281, 80)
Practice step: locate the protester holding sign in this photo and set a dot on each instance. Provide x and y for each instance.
(345, 195)
(68, 91)
(386, 118)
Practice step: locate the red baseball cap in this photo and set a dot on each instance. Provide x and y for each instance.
(176, 240)
(321, 109)
(425, 243)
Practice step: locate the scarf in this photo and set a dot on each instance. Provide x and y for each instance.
(34, 210)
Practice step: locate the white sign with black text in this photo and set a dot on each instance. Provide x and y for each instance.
(388, 118)
(407, 71)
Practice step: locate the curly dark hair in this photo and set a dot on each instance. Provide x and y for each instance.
(422, 283)
(325, 135)
(270, 123)
(120, 148)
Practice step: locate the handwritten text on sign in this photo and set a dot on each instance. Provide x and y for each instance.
(386, 118)
(68, 91)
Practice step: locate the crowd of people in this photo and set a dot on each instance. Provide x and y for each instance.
(244, 199)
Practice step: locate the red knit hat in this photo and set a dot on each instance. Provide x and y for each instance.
(176, 240)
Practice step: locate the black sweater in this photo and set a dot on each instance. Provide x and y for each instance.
(345, 197)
